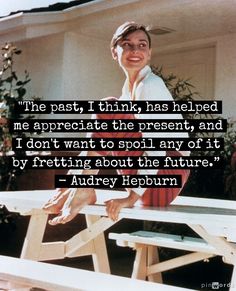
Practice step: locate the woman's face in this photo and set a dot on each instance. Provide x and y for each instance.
(133, 52)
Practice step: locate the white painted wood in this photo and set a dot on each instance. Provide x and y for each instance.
(212, 219)
(87, 249)
(34, 236)
(52, 251)
(204, 202)
(143, 240)
(99, 255)
(140, 264)
(58, 278)
(175, 214)
(164, 240)
(220, 217)
(227, 250)
(88, 234)
(177, 262)
(25, 201)
(152, 259)
(18, 200)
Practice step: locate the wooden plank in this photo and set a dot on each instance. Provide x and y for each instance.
(215, 217)
(220, 219)
(140, 264)
(152, 259)
(195, 210)
(34, 236)
(88, 234)
(146, 239)
(174, 214)
(99, 256)
(204, 202)
(52, 251)
(227, 231)
(24, 201)
(87, 249)
(58, 278)
(57, 250)
(37, 198)
(227, 250)
(163, 240)
(177, 262)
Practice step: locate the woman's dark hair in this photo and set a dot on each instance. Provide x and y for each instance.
(127, 28)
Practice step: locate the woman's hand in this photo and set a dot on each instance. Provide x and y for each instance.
(114, 206)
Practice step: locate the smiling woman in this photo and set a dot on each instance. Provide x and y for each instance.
(131, 48)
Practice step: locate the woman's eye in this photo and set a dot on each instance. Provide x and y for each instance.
(126, 44)
(142, 45)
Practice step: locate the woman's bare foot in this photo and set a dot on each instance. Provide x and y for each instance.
(69, 203)
(55, 204)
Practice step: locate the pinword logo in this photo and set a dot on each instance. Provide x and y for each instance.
(215, 285)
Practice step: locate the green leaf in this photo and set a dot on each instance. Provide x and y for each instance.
(14, 76)
(21, 92)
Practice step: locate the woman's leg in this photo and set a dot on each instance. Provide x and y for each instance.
(69, 201)
(162, 197)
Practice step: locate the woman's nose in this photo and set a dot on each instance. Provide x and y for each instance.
(134, 48)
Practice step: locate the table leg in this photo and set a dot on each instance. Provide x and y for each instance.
(153, 258)
(100, 257)
(34, 236)
(140, 263)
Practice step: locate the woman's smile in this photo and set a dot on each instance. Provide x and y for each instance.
(134, 59)
(133, 52)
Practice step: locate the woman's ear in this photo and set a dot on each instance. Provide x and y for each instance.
(114, 53)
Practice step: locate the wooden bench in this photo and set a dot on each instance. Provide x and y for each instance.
(147, 265)
(213, 220)
(20, 274)
(216, 240)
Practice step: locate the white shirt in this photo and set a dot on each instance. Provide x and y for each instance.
(150, 87)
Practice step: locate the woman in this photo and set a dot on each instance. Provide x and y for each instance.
(131, 48)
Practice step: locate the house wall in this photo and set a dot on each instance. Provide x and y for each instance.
(225, 85)
(75, 66)
(194, 64)
(88, 69)
(224, 66)
(43, 58)
(69, 66)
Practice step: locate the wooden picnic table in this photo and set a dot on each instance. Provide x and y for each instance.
(213, 220)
